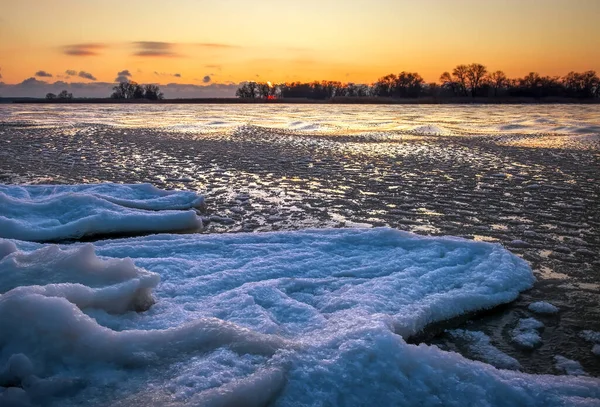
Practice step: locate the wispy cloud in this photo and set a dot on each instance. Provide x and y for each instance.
(43, 74)
(84, 50)
(124, 72)
(216, 45)
(71, 72)
(155, 49)
(86, 75)
(175, 75)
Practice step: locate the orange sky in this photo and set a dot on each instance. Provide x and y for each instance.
(208, 41)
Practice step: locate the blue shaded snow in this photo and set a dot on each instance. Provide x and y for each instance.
(59, 212)
(289, 318)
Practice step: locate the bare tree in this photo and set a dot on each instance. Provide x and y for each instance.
(460, 76)
(64, 95)
(498, 80)
(50, 96)
(475, 74)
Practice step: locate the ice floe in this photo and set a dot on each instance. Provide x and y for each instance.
(288, 318)
(543, 307)
(59, 212)
(568, 366)
(526, 333)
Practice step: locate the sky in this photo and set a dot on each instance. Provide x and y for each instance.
(207, 47)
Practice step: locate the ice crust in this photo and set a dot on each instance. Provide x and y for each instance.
(568, 366)
(288, 318)
(526, 333)
(479, 343)
(543, 307)
(44, 213)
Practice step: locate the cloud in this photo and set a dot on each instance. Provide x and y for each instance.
(155, 49)
(71, 72)
(83, 50)
(206, 79)
(176, 75)
(121, 79)
(86, 75)
(43, 74)
(216, 45)
(218, 67)
(124, 72)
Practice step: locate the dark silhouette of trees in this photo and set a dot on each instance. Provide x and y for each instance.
(406, 84)
(133, 90)
(465, 80)
(475, 75)
(498, 81)
(248, 90)
(50, 96)
(582, 85)
(459, 75)
(64, 95)
(152, 92)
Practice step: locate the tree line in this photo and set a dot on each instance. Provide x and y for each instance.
(473, 80)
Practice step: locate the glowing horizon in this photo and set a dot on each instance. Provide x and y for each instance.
(200, 42)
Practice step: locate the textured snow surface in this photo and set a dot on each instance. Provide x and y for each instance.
(526, 333)
(568, 366)
(543, 307)
(594, 337)
(59, 212)
(479, 344)
(291, 318)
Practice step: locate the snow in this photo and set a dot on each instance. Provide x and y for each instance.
(594, 337)
(526, 333)
(479, 344)
(568, 366)
(60, 212)
(542, 307)
(287, 318)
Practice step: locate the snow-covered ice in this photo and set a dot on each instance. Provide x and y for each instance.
(594, 337)
(479, 344)
(59, 212)
(287, 318)
(526, 333)
(568, 366)
(543, 307)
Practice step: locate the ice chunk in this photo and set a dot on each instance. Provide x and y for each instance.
(594, 337)
(526, 334)
(568, 366)
(302, 318)
(77, 274)
(479, 344)
(59, 212)
(542, 307)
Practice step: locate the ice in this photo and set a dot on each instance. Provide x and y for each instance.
(316, 317)
(594, 337)
(568, 366)
(526, 334)
(542, 307)
(479, 344)
(60, 212)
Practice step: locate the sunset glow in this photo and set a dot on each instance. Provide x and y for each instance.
(206, 43)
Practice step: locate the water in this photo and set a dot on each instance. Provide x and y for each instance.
(524, 176)
(330, 119)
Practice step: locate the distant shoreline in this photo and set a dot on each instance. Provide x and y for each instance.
(334, 101)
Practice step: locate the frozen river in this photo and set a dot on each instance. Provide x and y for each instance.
(527, 177)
